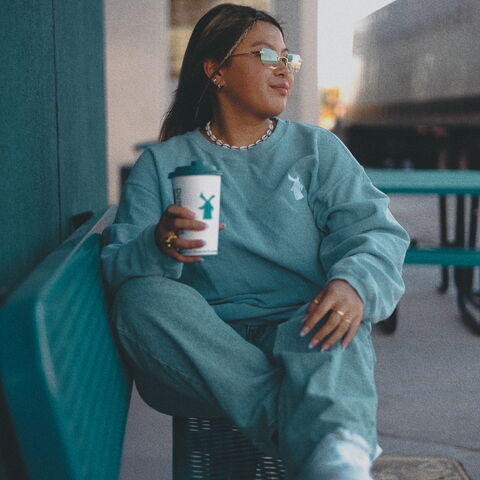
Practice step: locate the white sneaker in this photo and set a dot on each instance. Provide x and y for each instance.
(341, 455)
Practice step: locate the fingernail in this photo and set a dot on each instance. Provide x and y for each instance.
(344, 347)
(304, 331)
(313, 343)
(325, 348)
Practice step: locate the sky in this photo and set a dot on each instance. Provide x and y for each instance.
(336, 21)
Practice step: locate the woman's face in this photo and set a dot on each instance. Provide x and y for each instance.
(251, 87)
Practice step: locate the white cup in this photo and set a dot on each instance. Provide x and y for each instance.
(197, 187)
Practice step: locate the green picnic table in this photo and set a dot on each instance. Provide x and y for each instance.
(436, 182)
(462, 253)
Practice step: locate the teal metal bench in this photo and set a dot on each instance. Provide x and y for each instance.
(67, 390)
(65, 386)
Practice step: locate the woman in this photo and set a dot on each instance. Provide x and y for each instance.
(274, 332)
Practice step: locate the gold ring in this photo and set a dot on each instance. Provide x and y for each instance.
(315, 301)
(168, 241)
(340, 312)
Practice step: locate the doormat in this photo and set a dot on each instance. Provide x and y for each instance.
(418, 468)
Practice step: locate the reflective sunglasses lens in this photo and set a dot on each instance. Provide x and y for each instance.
(269, 57)
(294, 61)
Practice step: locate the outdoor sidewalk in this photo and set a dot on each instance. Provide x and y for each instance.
(427, 375)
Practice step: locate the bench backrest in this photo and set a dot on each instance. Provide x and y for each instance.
(65, 386)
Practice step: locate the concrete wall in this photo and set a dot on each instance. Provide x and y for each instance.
(137, 92)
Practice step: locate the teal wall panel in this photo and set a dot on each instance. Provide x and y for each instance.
(29, 212)
(81, 109)
(52, 127)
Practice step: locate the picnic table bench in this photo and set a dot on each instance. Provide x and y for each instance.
(462, 253)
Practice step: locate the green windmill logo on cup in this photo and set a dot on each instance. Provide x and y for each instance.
(197, 187)
(207, 207)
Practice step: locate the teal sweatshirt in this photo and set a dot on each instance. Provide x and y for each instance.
(299, 212)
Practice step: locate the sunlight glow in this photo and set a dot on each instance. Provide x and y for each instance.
(336, 22)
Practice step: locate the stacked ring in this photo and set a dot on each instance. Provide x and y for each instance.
(168, 241)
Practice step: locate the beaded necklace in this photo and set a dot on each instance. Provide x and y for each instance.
(217, 141)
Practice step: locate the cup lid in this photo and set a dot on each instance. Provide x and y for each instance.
(197, 167)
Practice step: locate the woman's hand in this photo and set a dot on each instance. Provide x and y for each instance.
(346, 312)
(177, 218)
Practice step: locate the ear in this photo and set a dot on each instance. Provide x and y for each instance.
(210, 68)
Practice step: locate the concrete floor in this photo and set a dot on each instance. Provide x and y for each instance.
(427, 375)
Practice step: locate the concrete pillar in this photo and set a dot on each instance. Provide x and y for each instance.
(137, 67)
(299, 21)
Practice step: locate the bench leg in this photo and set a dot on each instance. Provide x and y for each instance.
(467, 299)
(472, 243)
(443, 241)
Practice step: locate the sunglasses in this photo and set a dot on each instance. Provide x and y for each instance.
(271, 59)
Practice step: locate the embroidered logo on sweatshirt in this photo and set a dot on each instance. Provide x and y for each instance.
(296, 187)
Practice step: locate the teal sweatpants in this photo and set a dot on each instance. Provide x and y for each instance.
(289, 400)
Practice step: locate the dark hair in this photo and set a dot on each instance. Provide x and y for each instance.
(215, 36)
